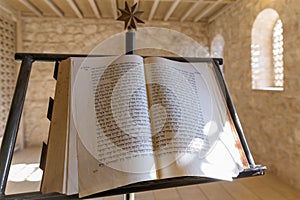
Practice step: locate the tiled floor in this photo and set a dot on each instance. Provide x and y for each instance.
(266, 187)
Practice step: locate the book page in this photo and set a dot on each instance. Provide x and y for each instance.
(72, 168)
(191, 130)
(110, 112)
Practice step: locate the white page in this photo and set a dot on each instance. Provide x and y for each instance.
(196, 146)
(112, 121)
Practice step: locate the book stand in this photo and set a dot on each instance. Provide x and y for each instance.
(12, 125)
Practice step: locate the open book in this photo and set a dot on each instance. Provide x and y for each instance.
(122, 120)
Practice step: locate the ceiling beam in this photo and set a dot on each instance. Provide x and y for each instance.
(153, 9)
(227, 7)
(94, 8)
(54, 8)
(114, 8)
(31, 7)
(207, 10)
(192, 8)
(75, 8)
(7, 8)
(171, 10)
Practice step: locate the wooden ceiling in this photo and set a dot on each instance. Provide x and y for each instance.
(159, 10)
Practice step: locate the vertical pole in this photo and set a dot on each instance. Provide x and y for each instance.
(129, 196)
(13, 121)
(130, 42)
(130, 46)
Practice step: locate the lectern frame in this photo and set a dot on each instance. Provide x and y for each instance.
(12, 125)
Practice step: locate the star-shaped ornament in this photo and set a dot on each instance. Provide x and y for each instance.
(130, 16)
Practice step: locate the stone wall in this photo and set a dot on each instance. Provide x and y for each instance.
(270, 118)
(82, 36)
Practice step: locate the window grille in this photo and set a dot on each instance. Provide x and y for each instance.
(7, 68)
(278, 53)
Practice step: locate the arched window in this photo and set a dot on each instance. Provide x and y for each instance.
(267, 51)
(217, 48)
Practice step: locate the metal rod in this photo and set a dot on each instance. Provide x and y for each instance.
(51, 57)
(130, 42)
(234, 114)
(130, 46)
(129, 196)
(13, 121)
